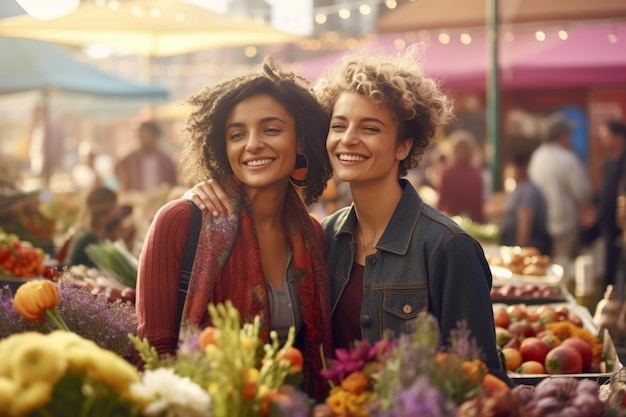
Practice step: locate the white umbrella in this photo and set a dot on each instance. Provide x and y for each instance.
(152, 28)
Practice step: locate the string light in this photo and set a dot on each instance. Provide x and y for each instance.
(399, 43)
(563, 35)
(540, 35)
(250, 51)
(344, 9)
(444, 38)
(391, 4)
(320, 18)
(466, 38)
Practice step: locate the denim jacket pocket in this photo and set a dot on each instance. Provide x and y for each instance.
(403, 305)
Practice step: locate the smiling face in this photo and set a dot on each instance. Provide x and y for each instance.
(362, 140)
(261, 141)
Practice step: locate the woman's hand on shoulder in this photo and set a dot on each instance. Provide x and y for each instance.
(210, 196)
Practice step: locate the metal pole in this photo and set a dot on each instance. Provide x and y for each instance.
(493, 93)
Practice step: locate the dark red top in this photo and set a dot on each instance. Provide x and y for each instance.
(347, 330)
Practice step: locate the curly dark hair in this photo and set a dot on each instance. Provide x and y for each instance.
(397, 80)
(204, 143)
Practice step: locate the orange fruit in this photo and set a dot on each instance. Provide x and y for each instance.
(531, 367)
(512, 358)
(492, 383)
(208, 336)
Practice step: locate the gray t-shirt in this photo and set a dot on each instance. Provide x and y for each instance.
(284, 307)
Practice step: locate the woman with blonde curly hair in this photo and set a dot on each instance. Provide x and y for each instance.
(255, 134)
(391, 256)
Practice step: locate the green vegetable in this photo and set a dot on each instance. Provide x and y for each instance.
(484, 232)
(114, 259)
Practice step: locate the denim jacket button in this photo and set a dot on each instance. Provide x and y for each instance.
(366, 321)
(371, 261)
(407, 309)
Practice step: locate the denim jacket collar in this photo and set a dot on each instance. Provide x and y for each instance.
(399, 231)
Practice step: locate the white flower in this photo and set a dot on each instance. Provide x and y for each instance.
(172, 395)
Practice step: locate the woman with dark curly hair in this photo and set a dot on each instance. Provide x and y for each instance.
(390, 255)
(255, 134)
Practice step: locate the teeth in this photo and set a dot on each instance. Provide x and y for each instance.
(258, 162)
(351, 158)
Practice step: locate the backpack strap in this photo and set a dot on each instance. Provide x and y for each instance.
(188, 257)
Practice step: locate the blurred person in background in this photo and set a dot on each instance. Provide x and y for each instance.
(148, 167)
(100, 218)
(524, 220)
(612, 134)
(563, 180)
(46, 145)
(84, 173)
(462, 187)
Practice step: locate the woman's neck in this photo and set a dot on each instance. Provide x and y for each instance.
(267, 206)
(375, 203)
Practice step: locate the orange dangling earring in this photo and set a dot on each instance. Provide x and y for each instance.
(300, 172)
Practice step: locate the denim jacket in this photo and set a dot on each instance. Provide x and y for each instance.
(424, 262)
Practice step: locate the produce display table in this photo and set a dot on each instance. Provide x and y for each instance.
(522, 294)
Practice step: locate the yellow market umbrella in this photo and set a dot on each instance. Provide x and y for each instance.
(152, 28)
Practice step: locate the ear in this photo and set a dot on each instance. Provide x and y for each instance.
(403, 150)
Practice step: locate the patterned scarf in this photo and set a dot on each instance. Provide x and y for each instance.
(228, 266)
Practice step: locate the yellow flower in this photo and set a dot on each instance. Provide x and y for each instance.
(31, 398)
(355, 404)
(337, 400)
(355, 383)
(8, 391)
(113, 370)
(34, 297)
(35, 360)
(66, 340)
(7, 347)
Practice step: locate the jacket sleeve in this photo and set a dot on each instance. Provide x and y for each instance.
(459, 284)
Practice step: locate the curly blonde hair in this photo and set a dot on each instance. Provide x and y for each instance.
(398, 81)
(204, 143)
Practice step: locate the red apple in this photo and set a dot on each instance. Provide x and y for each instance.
(534, 349)
(563, 360)
(501, 317)
(547, 313)
(521, 328)
(517, 311)
(550, 338)
(583, 348)
(129, 295)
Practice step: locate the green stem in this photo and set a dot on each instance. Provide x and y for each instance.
(53, 315)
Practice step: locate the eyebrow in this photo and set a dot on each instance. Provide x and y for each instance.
(263, 120)
(364, 119)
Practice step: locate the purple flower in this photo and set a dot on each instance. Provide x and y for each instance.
(419, 400)
(353, 360)
(291, 402)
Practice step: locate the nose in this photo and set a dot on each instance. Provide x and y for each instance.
(350, 136)
(254, 142)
